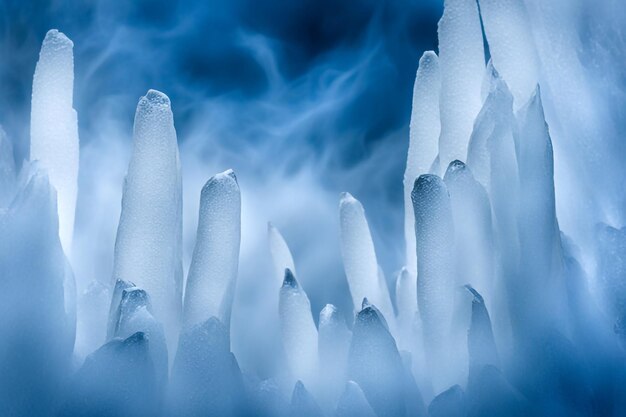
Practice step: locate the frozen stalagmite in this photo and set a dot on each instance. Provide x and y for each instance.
(480, 341)
(298, 330)
(540, 244)
(353, 403)
(8, 176)
(303, 404)
(423, 142)
(462, 63)
(148, 243)
(213, 271)
(511, 45)
(359, 256)
(36, 333)
(205, 378)
(333, 342)
(375, 364)
(434, 233)
(281, 255)
(54, 126)
(471, 212)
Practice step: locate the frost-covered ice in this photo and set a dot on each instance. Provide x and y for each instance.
(332, 344)
(148, 244)
(213, 271)
(54, 126)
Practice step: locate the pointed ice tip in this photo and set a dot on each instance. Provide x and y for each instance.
(365, 303)
(477, 297)
(346, 198)
(455, 166)
(57, 40)
(299, 386)
(228, 174)
(327, 313)
(428, 58)
(290, 280)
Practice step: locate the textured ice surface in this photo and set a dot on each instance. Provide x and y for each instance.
(423, 142)
(353, 403)
(375, 364)
(205, 378)
(511, 45)
(434, 233)
(213, 271)
(35, 330)
(462, 63)
(148, 243)
(281, 255)
(54, 126)
(298, 330)
(333, 343)
(359, 256)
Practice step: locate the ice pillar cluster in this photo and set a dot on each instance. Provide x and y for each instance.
(510, 300)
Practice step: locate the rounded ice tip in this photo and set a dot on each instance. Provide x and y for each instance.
(156, 98)
(57, 40)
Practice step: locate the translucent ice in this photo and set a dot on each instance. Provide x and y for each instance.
(480, 341)
(450, 403)
(333, 342)
(303, 404)
(423, 142)
(353, 403)
(36, 332)
(359, 255)
(511, 45)
(213, 271)
(205, 378)
(298, 330)
(462, 63)
(281, 255)
(116, 298)
(148, 243)
(406, 302)
(54, 126)
(375, 364)
(434, 233)
(8, 174)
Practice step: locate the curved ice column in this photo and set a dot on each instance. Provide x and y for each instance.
(54, 126)
(353, 403)
(332, 344)
(423, 141)
(375, 364)
(298, 330)
(359, 256)
(281, 255)
(213, 272)
(462, 63)
(511, 45)
(35, 328)
(303, 404)
(8, 175)
(149, 234)
(541, 259)
(471, 212)
(434, 233)
(205, 378)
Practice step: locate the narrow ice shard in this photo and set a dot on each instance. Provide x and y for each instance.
(8, 175)
(54, 126)
(434, 233)
(298, 330)
(471, 212)
(281, 255)
(375, 364)
(213, 272)
(480, 341)
(353, 403)
(134, 314)
(332, 344)
(538, 228)
(462, 63)
(511, 45)
(116, 298)
(116, 380)
(423, 141)
(35, 330)
(359, 255)
(148, 244)
(406, 301)
(205, 378)
(303, 404)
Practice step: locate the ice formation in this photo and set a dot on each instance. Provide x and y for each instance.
(509, 298)
(54, 126)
